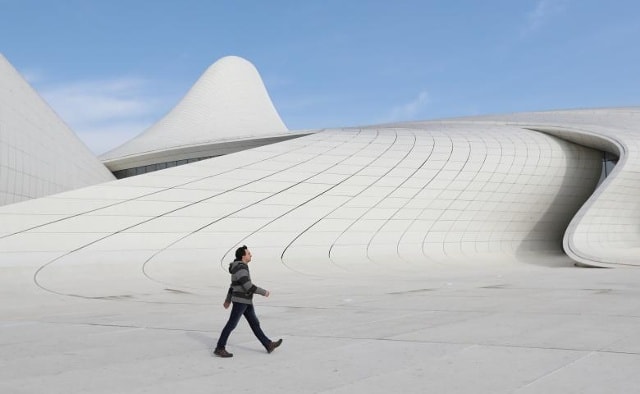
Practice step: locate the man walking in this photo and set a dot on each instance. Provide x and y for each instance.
(241, 295)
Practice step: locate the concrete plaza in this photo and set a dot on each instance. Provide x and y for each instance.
(507, 328)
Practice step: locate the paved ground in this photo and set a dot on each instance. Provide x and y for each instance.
(520, 328)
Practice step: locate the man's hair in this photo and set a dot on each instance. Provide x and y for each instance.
(241, 251)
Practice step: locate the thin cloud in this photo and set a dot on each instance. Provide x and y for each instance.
(409, 110)
(543, 11)
(90, 101)
(104, 112)
(32, 76)
(101, 139)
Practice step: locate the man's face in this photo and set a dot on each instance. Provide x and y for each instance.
(247, 256)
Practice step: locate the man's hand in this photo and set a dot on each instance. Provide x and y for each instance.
(226, 304)
(267, 293)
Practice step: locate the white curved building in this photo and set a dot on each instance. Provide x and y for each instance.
(39, 154)
(400, 243)
(228, 109)
(489, 189)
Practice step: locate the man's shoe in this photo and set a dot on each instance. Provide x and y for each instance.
(273, 345)
(221, 352)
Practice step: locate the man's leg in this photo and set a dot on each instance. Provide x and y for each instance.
(237, 311)
(254, 323)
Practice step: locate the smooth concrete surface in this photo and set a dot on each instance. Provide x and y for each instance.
(463, 328)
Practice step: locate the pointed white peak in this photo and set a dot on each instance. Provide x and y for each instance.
(228, 102)
(39, 154)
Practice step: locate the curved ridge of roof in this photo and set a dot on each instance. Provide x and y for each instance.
(229, 101)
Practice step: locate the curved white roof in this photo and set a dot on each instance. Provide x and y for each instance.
(480, 191)
(39, 154)
(229, 102)
(498, 187)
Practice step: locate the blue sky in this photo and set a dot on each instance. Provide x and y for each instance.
(112, 68)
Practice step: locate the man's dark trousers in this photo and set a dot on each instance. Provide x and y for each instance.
(239, 309)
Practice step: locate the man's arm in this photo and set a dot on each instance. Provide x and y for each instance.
(245, 281)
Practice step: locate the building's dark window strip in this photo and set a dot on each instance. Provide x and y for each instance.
(155, 167)
(609, 161)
